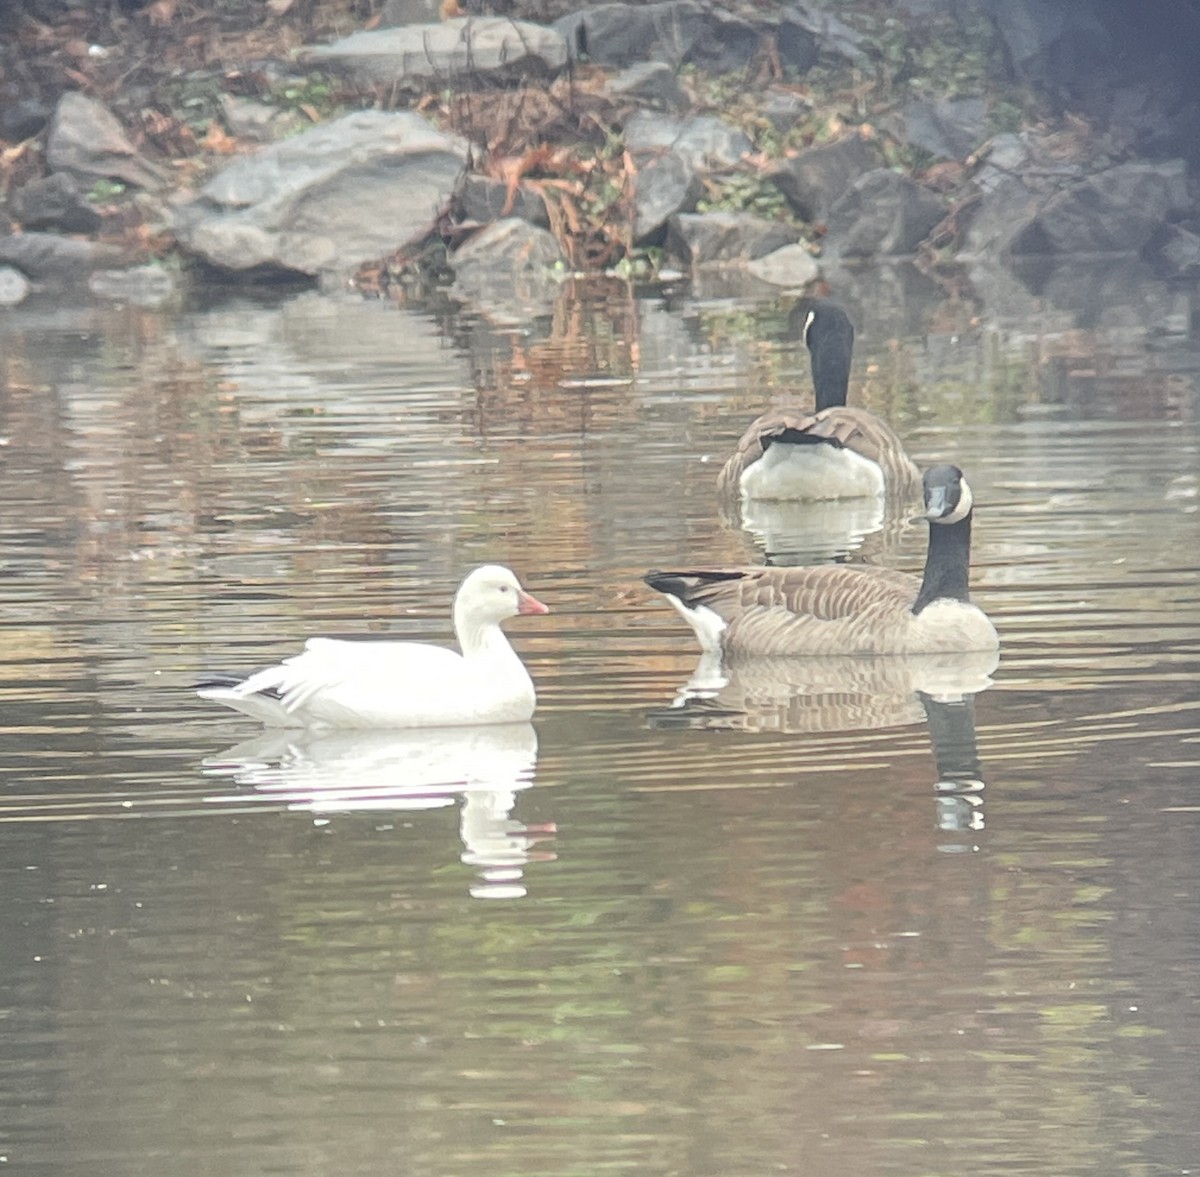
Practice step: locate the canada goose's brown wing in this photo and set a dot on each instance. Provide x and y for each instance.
(772, 425)
(852, 429)
(815, 610)
(871, 438)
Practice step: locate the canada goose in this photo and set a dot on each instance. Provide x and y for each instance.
(353, 684)
(845, 609)
(833, 453)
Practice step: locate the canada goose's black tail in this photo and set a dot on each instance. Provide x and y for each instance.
(682, 584)
(798, 437)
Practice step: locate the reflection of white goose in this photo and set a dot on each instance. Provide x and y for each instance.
(394, 684)
(405, 770)
(824, 694)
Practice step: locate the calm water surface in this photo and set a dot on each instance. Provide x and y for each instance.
(845, 920)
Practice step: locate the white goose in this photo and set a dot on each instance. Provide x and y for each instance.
(368, 684)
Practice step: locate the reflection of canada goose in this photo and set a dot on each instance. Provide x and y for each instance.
(814, 533)
(357, 684)
(406, 770)
(840, 609)
(833, 453)
(829, 693)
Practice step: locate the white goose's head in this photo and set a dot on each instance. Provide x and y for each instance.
(491, 594)
(948, 497)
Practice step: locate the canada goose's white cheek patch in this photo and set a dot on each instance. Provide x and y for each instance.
(966, 501)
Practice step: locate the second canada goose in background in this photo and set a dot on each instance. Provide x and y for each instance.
(845, 609)
(833, 453)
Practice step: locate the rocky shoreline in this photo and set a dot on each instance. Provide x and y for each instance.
(505, 154)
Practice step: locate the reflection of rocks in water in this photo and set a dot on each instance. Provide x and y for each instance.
(798, 533)
(793, 696)
(410, 770)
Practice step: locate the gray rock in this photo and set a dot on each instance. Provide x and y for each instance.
(705, 142)
(883, 215)
(725, 238)
(348, 191)
(1114, 211)
(673, 31)
(482, 199)
(791, 267)
(783, 109)
(511, 269)
(143, 286)
(87, 142)
(815, 178)
(1174, 251)
(492, 47)
(949, 129)
(666, 185)
(803, 22)
(651, 83)
(54, 202)
(14, 287)
(259, 122)
(50, 260)
(408, 12)
(22, 118)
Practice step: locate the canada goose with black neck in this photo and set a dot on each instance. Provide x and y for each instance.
(845, 609)
(835, 452)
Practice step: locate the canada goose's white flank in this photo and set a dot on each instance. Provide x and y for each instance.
(833, 453)
(361, 684)
(845, 609)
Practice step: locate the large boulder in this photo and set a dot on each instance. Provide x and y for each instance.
(672, 31)
(1174, 251)
(705, 142)
(323, 202)
(649, 83)
(482, 200)
(1114, 211)
(884, 214)
(512, 270)
(1031, 205)
(806, 31)
(814, 179)
(950, 128)
(54, 262)
(479, 48)
(86, 141)
(792, 267)
(665, 185)
(725, 238)
(54, 202)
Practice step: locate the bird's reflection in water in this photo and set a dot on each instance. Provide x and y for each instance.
(812, 695)
(786, 534)
(341, 772)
